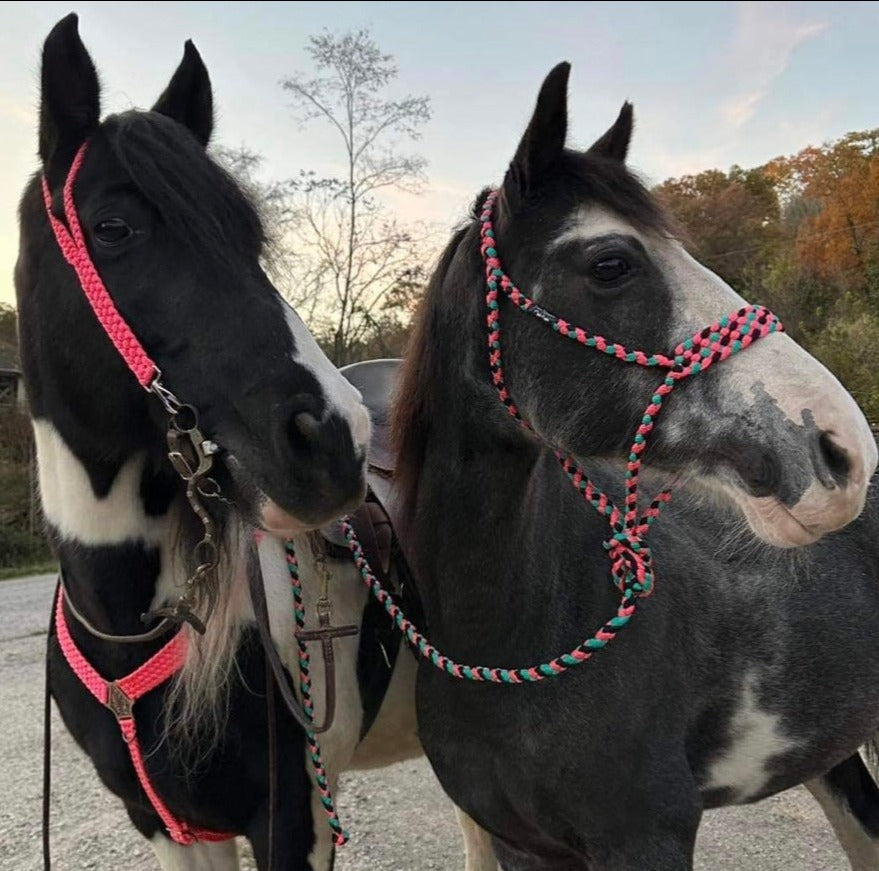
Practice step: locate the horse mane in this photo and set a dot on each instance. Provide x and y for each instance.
(197, 704)
(415, 396)
(199, 201)
(578, 177)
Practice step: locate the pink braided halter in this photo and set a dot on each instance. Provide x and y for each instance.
(72, 244)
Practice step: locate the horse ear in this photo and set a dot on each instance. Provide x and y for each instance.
(70, 100)
(544, 139)
(614, 144)
(188, 97)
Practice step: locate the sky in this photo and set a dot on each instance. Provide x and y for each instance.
(714, 84)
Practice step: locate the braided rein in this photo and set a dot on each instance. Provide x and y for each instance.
(631, 563)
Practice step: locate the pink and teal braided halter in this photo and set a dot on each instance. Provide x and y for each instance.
(630, 558)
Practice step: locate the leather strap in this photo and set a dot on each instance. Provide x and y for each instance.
(272, 734)
(47, 740)
(162, 628)
(325, 634)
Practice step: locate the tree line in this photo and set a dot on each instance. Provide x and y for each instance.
(801, 235)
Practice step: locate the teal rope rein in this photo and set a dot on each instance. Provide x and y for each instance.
(631, 562)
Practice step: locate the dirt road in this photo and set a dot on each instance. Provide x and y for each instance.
(399, 818)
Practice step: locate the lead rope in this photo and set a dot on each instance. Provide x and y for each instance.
(340, 835)
(631, 563)
(47, 742)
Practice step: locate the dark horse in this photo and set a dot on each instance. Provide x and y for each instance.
(755, 666)
(178, 246)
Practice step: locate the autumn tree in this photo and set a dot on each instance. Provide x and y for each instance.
(354, 252)
(800, 234)
(731, 222)
(834, 191)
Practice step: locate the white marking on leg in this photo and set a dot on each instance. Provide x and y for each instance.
(478, 851)
(861, 849)
(348, 596)
(755, 739)
(203, 856)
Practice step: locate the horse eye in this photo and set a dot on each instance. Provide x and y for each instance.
(609, 269)
(113, 231)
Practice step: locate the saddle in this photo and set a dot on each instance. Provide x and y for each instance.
(375, 379)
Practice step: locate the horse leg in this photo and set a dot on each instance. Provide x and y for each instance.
(204, 856)
(850, 800)
(219, 856)
(291, 846)
(478, 851)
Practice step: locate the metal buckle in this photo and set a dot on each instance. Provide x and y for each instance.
(324, 609)
(166, 397)
(119, 703)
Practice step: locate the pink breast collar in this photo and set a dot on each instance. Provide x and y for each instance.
(119, 696)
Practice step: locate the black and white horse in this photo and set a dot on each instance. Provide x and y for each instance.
(755, 666)
(178, 246)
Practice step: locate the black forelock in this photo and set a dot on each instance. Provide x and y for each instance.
(197, 199)
(582, 177)
(609, 183)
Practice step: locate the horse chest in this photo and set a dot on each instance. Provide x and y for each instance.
(220, 789)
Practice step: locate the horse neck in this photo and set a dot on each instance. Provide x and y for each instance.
(499, 527)
(115, 526)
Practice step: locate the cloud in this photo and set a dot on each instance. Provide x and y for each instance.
(736, 111)
(759, 52)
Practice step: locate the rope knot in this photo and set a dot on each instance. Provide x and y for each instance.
(631, 563)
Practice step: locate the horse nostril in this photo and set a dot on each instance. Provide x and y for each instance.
(307, 425)
(834, 459)
(764, 475)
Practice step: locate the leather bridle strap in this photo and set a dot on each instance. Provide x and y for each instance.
(163, 627)
(47, 739)
(261, 613)
(272, 734)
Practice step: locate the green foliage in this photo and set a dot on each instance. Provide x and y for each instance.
(841, 346)
(8, 337)
(21, 540)
(22, 550)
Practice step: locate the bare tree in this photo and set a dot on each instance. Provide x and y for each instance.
(346, 240)
(274, 202)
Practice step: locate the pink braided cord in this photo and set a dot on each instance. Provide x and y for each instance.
(160, 667)
(73, 247)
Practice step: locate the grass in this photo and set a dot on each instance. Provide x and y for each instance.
(26, 570)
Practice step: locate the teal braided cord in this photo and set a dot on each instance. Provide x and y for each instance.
(340, 836)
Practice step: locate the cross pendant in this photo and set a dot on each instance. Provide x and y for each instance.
(325, 633)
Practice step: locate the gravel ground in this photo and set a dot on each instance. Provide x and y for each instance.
(398, 817)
